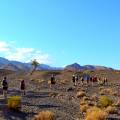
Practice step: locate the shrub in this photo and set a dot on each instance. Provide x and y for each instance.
(105, 101)
(84, 108)
(83, 102)
(107, 91)
(94, 97)
(80, 94)
(45, 115)
(85, 98)
(115, 93)
(117, 103)
(96, 114)
(63, 82)
(111, 110)
(14, 103)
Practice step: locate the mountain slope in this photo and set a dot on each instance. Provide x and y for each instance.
(17, 66)
(77, 67)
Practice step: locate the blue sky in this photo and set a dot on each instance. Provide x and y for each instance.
(61, 32)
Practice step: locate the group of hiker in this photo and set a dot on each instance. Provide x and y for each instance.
(86, 79)
(4, 86)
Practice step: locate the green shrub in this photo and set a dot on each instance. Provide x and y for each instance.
(14, 103)
(105, 101)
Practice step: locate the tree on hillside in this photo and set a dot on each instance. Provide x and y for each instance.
(35, 64)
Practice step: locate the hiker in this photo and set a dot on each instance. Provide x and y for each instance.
(86, 78)
(52, 81)
(76, 79)
(5, 87)
(73, 80)
(105, 81)
(22, 86)
(82, 80)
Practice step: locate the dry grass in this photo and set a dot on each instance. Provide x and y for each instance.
(63, 82)
(111, 110)
(105, 101)
(96, 114)
(117, 103)
(85, 98)
(14, 103)
(53, 94)
(108, 91)
(80, 94)
(115, 93)
(84, 108)
(45, 115)
(94, 97)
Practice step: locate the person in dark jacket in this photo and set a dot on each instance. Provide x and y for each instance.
(22, 87)
(5, 87)
(52, 80)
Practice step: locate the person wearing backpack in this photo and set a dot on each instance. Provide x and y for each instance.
(22, 86)
(52, 81)
(5, 87)
(73, 79)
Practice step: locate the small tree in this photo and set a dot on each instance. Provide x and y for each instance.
(35, 65)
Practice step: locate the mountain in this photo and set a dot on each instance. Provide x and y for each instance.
(74, 67)
(77, 67)
(4, 61)
(19, 66)
(10, 66)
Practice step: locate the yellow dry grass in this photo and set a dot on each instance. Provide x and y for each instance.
(80, 94)
(45, 115)
(96, 114)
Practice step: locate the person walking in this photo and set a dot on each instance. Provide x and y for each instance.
(52, 81)
(73, 80)
(5, 87)
(76, 79)
(22, 86)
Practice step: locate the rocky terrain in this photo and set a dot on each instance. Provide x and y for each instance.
(61, 99)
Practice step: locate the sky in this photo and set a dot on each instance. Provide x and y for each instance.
(61, 32)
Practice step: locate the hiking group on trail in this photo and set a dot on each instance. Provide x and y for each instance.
(83, 80)
(86, 79)
(76, 79)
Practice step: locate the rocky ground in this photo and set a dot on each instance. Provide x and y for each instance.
(61, 98)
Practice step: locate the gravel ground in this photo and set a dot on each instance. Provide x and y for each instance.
(40, 97)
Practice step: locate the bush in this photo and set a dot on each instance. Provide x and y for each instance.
(84, 108)
(94, 97)
(80, 94)
(111, 110)
(96, 114)
(105, 101)
(117, 103)
(107, 91)
(14, 103)
(45, 115)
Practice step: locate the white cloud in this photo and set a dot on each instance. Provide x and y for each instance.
(23, 54)
(4, 47)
